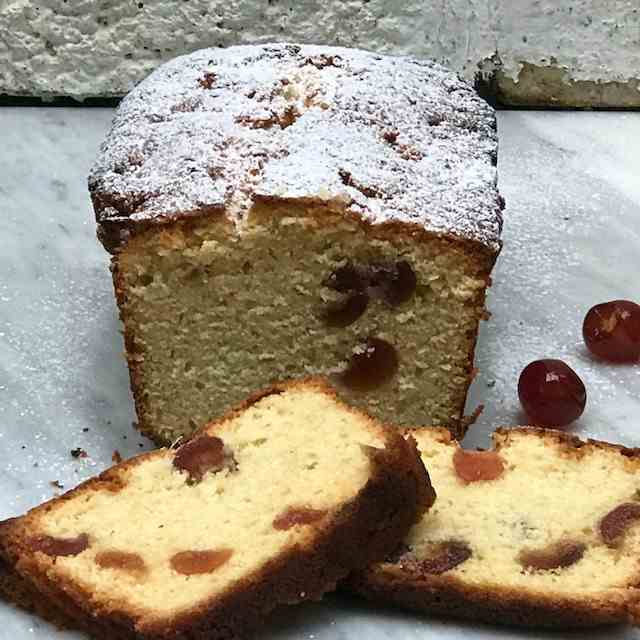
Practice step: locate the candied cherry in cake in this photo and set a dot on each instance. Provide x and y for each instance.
(346, 311)
(346, 278)
(551, 393)
(611, 331)
(372, 365)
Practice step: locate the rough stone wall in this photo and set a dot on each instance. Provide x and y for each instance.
(541, 52)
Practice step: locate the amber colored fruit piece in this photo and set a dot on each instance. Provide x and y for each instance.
(555, 556)
(61, 546)
(294, 516)
(477, 466)
(191, 563)
(446, 556)
(611, 331)
(614, 525)
(346, 278)
(396, 283)
(200, 455)
(404, 283)
(124, 560)
(551, 393)
(372, 365)
(344, 312)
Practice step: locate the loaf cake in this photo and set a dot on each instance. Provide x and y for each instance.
(271, 505)
(542, 531)
(279, 211)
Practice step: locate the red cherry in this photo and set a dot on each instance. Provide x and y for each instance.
(611, 330)
(375, 363)
(551, 393)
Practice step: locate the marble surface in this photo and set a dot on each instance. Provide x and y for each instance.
(572, 239)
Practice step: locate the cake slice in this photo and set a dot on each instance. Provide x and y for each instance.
(279, 211)
(543, 531)
(271, 505)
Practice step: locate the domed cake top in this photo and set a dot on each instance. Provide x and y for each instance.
(390, 139)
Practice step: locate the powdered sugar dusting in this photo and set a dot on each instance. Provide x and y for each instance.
(390, 138)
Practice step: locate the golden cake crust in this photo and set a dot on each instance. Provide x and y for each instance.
(365, 529)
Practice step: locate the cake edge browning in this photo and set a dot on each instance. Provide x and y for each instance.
(19, 592)
(449, 596)
(568, 441)
(365, 530)
(483, 255)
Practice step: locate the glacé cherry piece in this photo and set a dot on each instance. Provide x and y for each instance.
(551, 393)
(395, 283)
(611, 330)
(344, 312)
(373, 364)
(346, 278)
(297, 516)
(477, 466)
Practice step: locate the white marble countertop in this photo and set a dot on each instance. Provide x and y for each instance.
(571, 239)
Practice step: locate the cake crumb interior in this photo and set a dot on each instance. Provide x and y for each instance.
(214, 314)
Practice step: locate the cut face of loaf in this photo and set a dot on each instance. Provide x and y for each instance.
(545, 531)
(210, 317)
(279, 211)
(269, 506)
